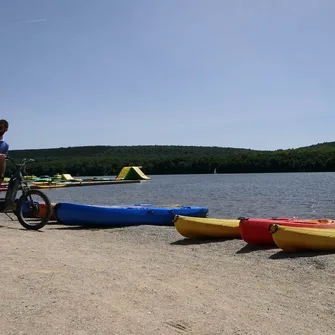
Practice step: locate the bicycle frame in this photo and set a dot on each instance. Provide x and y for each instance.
(25, 207)
(16, 182)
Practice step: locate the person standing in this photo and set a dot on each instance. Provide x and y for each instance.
(3, 149)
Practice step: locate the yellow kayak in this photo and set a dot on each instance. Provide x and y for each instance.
(293, 239)
(194, 227)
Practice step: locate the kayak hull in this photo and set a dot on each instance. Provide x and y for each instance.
(88, 215)
(195, 227)
(256, 231)
(295, 239)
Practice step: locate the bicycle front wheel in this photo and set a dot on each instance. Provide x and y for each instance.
(33, 209)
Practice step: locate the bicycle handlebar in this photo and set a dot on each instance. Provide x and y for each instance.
(24, 161)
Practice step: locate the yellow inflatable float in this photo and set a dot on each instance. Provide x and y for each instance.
(194, 227)
(295, 239)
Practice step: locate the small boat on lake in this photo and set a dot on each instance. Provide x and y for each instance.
(4, 187)
(39, 185)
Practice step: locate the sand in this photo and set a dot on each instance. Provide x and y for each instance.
(150, 280)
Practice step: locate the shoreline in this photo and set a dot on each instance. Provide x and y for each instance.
(150, 280)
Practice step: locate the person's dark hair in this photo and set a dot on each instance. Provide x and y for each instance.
(5, 123)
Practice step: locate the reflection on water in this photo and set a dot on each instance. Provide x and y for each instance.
(308, 195)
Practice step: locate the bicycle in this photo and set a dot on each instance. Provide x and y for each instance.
(25, 207)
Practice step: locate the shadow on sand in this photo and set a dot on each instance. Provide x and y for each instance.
(16, 227)
(93, 227)
(252, 248)
(308, 253)
(190, 241)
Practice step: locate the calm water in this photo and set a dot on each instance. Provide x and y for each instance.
(308, 195)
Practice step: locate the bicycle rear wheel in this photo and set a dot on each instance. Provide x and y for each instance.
(33, 209)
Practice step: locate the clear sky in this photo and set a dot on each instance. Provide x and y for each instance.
(253, 74)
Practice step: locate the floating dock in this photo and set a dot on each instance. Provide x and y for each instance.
(127, 175)
(80, 183)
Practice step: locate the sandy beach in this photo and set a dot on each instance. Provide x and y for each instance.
(150, 280)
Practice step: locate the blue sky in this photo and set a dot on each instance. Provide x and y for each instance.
(253, 74)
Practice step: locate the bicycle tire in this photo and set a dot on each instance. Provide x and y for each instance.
(23, 201)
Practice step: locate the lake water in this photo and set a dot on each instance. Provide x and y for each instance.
(305, 195)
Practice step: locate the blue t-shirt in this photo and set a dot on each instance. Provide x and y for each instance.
(4, 147)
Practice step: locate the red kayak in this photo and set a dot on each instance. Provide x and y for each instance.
(256, 231)
(4, 187)
(42, 211)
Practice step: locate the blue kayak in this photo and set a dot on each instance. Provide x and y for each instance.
(116, 215)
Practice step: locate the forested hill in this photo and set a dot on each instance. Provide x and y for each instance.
(108, 160)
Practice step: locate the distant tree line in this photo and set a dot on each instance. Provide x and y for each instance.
(109, 160)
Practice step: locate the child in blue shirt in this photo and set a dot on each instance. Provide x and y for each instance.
(3, 149)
